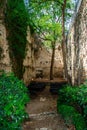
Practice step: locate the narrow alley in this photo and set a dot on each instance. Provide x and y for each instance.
(43, 48)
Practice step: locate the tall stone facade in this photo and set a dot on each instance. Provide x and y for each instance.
(29, 61)
(5, 62)
(5, 59)
(76, 46)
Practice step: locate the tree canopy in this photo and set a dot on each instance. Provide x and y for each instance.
(48, 19)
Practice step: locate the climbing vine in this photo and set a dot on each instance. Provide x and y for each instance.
(16, 22)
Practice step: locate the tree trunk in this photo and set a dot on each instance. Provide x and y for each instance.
(63, 39)
(52, 60)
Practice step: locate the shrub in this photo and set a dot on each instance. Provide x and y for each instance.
(71, 116)
(75, 97)
(68, 95)
(82, 98)
(13, 97)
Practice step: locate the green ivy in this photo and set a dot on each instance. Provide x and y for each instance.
(13, 98)
(17, 21)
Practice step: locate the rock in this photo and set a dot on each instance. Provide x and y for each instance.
(37, 129)
(43, 128)
(42, 99)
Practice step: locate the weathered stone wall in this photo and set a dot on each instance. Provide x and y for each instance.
(29, 61)
(43, 62)
(5, 59)
(77, 46)
(58, 63)
(5, 62)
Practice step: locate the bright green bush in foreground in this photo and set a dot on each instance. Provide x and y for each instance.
(71, 116)
(72, 104)
(13, 98)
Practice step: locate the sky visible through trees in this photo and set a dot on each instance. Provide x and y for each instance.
(75, 2)
(51, 19)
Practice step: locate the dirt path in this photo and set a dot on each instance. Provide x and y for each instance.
(43, 113)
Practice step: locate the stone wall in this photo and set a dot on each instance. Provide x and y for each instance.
(77, 45)
(5, 59)
(5, 62)
(29, 61)
(43, 62)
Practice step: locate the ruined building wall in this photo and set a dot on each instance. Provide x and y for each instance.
(5, 62)
(29, 61)
(77, 46)
(43, 62)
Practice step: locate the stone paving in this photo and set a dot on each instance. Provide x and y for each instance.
(45, 121)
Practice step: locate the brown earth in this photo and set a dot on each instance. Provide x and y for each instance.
(42, 111)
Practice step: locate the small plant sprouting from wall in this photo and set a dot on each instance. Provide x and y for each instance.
(16, 22)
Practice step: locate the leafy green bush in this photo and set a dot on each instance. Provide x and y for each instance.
(82, 98)
(68, 95)
(75, 97)
(71, 116)
(13, 97)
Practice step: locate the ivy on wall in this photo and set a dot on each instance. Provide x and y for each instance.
(16, 22)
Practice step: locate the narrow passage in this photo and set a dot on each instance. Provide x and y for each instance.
(42, 111)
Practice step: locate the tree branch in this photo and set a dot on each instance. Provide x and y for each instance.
(38, 28)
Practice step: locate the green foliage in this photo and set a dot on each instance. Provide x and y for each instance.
(17, 21)
(69, 93)
(49, 14)
(75, 97)
(82, 98)
(13, 97)
(47, 24)
(71, 116)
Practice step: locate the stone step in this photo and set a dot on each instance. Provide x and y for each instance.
(42, 129)
(43, 115)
